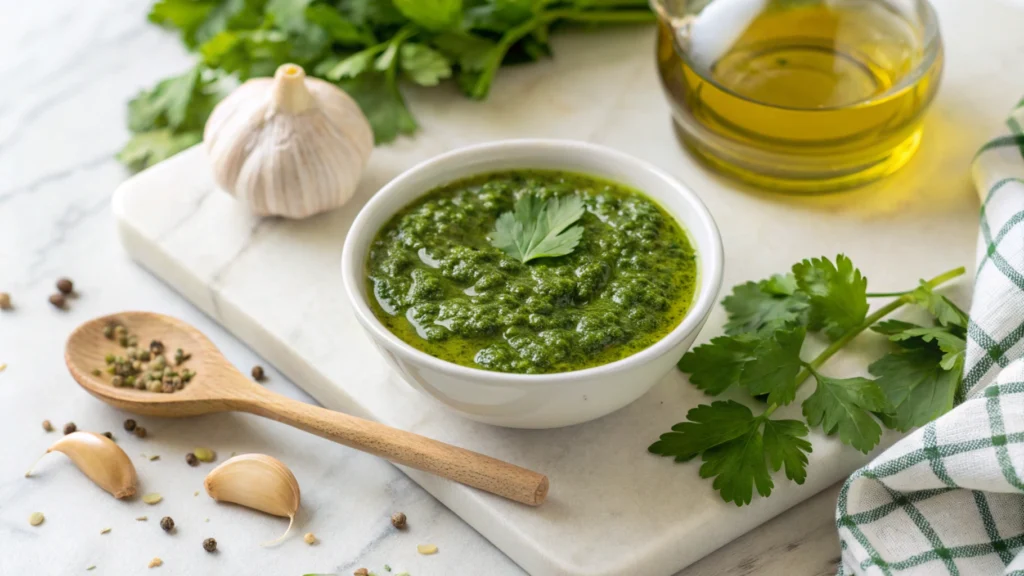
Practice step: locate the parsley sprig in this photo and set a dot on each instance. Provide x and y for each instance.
(539, 229)
(768, 322)
(367, 47)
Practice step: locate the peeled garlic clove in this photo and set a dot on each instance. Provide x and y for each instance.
(288, 146)
(99, 458)
(259, 482)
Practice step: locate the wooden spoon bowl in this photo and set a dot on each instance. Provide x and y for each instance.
(215, 389)
(220, 387)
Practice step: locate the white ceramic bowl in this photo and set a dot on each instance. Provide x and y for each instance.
(536, 400)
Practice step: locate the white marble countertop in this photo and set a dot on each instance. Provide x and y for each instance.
(69, 70)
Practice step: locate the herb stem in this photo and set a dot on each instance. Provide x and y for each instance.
(483, 83)
(887, 294)
(867, 323)
(391, 73)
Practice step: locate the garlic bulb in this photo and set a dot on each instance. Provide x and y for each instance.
(259, 482)
(104, 462)
(289, 145)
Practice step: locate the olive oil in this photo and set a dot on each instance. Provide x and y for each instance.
(801, 95)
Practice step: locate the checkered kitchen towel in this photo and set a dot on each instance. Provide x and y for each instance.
(949, 498)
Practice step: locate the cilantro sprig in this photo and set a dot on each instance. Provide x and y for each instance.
(539, 229)
(367, 47)
(768, 323)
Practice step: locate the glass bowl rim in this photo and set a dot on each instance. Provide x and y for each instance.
(931, 51)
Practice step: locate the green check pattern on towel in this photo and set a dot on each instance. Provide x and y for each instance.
(949, 498)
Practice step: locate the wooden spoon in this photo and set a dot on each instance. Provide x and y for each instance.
(220, 387)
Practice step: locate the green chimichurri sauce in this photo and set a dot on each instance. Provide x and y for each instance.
(439, 285)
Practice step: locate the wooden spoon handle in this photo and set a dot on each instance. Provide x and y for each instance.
(401, 447)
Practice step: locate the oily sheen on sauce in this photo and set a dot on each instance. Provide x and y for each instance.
(441, 286)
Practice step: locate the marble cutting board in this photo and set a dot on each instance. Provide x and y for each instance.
(613, 509)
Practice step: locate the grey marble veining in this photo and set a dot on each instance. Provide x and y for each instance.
(70, 70)
(77, 63)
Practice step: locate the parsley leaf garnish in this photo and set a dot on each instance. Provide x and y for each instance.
(707, 426)
(918, 388)
(539, 229)
(846, 405)
(717, 365)
(893, 327)
(735, 450)
(838, 293)
(953, 346)
(768, 322)
(775, 365)
(944, 310)
(737, 466)
(785, 445)
(765, 364)
(950, 340)
(922, 380)
(765, 305)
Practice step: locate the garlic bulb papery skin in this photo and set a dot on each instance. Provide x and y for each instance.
(289, 145)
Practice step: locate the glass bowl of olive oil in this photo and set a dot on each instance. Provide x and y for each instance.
(800, 95)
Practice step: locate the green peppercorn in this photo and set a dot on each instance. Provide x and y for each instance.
(123, 341)
(117, 381)
(96, 372)
(144, 355)
(156, 347)
(109, 358)
(108, 332)
(129, 381)
(140, 384)
(111, 369)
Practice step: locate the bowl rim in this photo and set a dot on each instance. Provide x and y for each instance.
(710, 264)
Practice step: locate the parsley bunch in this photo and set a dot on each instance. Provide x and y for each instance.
(768, 322)
(364, 46)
